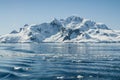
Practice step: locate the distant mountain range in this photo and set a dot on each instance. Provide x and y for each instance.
(71, 29)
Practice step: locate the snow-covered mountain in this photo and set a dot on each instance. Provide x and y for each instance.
(71, 29)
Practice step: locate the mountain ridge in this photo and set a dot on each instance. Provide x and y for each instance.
(71, 29)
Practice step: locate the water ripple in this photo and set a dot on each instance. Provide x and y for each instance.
(67, 61)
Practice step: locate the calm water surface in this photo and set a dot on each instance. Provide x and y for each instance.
(60, 61)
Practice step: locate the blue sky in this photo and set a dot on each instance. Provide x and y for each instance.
(15, 13)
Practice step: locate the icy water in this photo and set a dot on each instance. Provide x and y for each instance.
(60, 61)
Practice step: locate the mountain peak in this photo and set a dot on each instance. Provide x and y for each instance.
(55, 22)
(14, 32)
(26, 25)
(74, 18)
(102, 26)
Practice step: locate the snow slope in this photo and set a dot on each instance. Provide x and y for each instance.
(71, 29)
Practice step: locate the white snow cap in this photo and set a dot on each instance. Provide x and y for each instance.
(71, 29)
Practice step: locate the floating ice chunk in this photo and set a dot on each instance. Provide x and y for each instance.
(79, 76)
(76, 61)
(60, 77)
(17, 68)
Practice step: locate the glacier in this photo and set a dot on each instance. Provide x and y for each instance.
(71, 29)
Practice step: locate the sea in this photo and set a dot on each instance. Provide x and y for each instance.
(59, 61)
